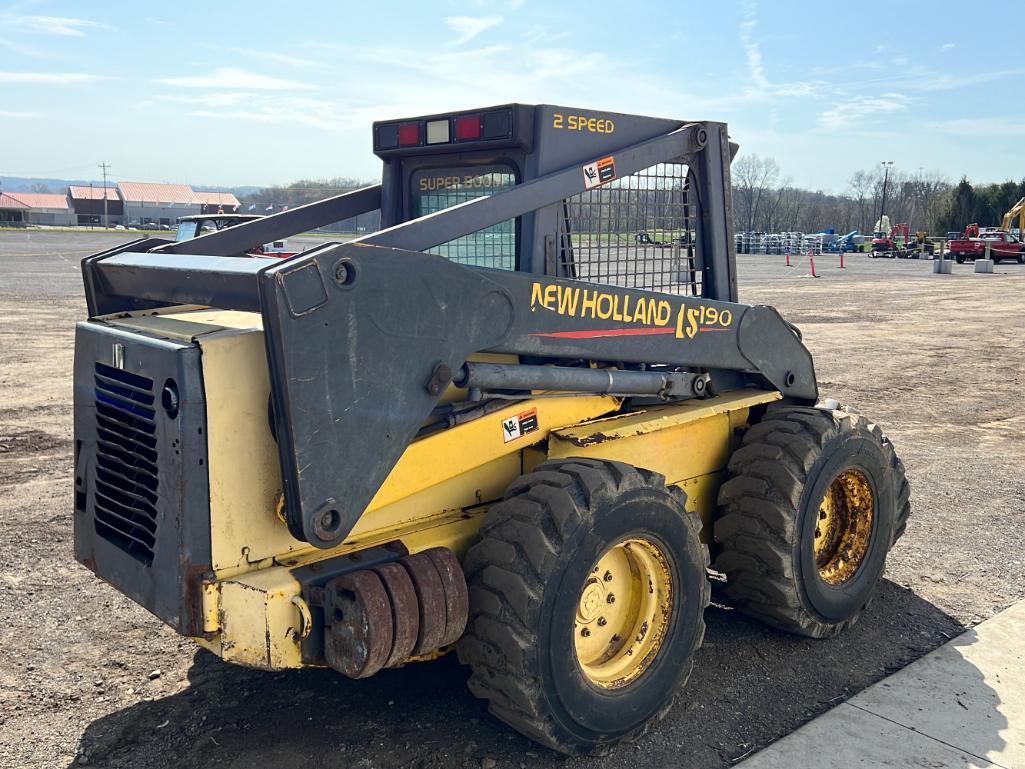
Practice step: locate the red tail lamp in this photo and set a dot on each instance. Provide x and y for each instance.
(409, 134)
(468, 127)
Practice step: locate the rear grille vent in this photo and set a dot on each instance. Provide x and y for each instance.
(126, 461)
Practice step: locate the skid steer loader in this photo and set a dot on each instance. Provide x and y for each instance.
(502, 424)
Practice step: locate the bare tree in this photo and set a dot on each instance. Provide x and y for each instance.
(862, 185)
(753, 181)
(763, 204)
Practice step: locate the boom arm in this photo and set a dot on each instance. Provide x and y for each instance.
(1016, 211)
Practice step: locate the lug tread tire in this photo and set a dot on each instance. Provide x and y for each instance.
(759, 506)
(508, 571)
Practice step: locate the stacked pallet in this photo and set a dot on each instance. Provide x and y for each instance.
(812, 243)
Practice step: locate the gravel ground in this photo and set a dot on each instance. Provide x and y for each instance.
(91, 679)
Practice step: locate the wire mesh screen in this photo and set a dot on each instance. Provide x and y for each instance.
(635, 232)
(440, 188)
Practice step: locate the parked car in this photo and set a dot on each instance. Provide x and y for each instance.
(972, 245)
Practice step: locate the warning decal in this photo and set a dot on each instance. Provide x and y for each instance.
(599, 172)
(519, 425)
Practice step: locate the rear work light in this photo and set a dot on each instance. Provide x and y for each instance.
(409, 134)
(437, 132)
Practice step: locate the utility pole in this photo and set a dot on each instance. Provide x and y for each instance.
(106, 225)
(886, 176)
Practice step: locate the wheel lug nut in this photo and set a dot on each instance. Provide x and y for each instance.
(608, 576)
(585, 632)
(611, 598)
(602, 622)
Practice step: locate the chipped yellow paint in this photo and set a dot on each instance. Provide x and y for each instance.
(843, 528)
(260, 626)
(257, 619)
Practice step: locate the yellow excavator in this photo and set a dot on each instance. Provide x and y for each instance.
(1016, 212)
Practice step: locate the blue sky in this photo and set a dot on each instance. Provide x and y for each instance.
(261, 93)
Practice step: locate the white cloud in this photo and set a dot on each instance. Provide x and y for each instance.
(934, 81)
(759, 88)
(468, 27)
(755, 64)
(237, 78)
(990, 127)
(16, 114)
(854, 112)
(262, 108)
(298, 62)
(53, 25)
(948, 46)
(214, 99)
(49, 78)
(21, 48)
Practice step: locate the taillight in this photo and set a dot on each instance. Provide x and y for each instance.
(409, 134)
(468, 127)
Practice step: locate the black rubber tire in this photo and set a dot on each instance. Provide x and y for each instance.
(959, 259)
(768, 509)
(537, 547)
(1021, 259)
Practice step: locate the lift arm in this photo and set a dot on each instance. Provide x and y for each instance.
(372, 335)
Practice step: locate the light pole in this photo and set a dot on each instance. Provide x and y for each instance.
(106, 222)
(886, 175)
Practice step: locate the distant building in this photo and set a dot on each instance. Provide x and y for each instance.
(87, 203)
(146, 203)
(45, 208)
(12, 211)
(129, 203)
(217, 202)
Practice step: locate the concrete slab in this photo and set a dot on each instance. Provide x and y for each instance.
(850, 738)
(962, 705)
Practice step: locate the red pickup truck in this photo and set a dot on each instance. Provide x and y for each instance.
(1003, 245)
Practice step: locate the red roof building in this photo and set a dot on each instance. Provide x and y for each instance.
(214, 202)
(12, 211)
(81, 192)
(90, 207)
(146, 202)
(46, 200)
(45, 208)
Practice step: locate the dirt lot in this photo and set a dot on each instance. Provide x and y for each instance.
(87, 677)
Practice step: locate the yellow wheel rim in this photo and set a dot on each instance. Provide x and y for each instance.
(843, 530)
(625, 608)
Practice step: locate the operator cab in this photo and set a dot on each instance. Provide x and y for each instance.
(200, 224)
(638, 230)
